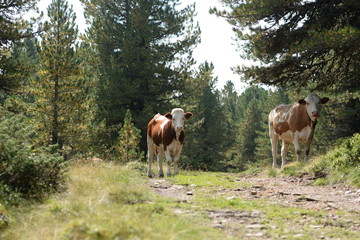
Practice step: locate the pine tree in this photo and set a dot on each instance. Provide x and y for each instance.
(247, 127)
(143, 47)
(230, 102)
(61, 91)
(129, 139)
(12, 29)
(311, 45)
(205, 141)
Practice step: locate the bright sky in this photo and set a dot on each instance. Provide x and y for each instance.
(217, 44)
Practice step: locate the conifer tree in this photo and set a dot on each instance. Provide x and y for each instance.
(206, 142)
(12, 29)
(143, 48)
(311, 45)
(231, 105)
(299, 43)
(129, 139)
(247, 127)
(61, 91)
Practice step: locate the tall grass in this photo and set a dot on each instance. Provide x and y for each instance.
(105, 201)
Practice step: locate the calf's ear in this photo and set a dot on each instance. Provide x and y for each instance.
(302, 101)
(168, 115)
(188, 115)
(324, 100)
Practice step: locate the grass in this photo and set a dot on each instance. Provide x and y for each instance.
(277, 220)
(109, 201)
(105, 201)
(209, 180)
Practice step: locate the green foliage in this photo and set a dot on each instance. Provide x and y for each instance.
(341, 164)
(103, 141)
(296, 41)
(25, 171)
(301, 45)
(205, 142)
(246, 128)
(293, 169)
(129, 139)
(143, 50)
(62, 91)
(347, 155)
(272, 172)
(13, 28)
(5, 218)
(139, 166)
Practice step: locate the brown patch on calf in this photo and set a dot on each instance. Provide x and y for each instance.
(299, 119)
(281, 125)
(165, 135)
(291, 117)
(153, 130)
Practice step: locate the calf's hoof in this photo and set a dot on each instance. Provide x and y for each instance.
(275, 166)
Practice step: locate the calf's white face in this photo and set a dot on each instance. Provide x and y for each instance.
(178, 118)
(313, 105)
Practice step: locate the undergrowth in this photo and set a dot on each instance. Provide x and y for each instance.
(105, 200)
(341, 165)
(26, 171)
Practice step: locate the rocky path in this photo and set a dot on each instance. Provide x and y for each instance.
(300, 192)
(296, 191)
(288, 191)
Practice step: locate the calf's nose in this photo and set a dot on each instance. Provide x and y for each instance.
(179, 128)
(315, 113)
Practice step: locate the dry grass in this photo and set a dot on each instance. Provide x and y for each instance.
(105, 201)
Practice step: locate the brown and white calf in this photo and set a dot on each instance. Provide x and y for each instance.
(165, 135)
(292, 123)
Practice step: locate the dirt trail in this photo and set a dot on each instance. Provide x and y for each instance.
(299, 191)
(293, 191)
(289, 191)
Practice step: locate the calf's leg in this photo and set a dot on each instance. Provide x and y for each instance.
(176, 162)
(274, 143)
(307, 150)
(284, 151)
(297, 147)
(168, 162)
(160, 159)
(150, 156)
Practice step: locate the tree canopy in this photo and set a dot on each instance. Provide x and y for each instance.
(12, 29)
(143, 48)
(297, 43)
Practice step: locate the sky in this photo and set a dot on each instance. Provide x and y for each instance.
(217, 39)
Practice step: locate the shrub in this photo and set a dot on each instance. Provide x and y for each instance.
(25, 169)
(341, 164)
(4, 217)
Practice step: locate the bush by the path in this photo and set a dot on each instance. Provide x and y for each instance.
(25, 171)
(341, 164)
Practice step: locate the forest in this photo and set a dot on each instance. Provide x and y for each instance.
(67, 96)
